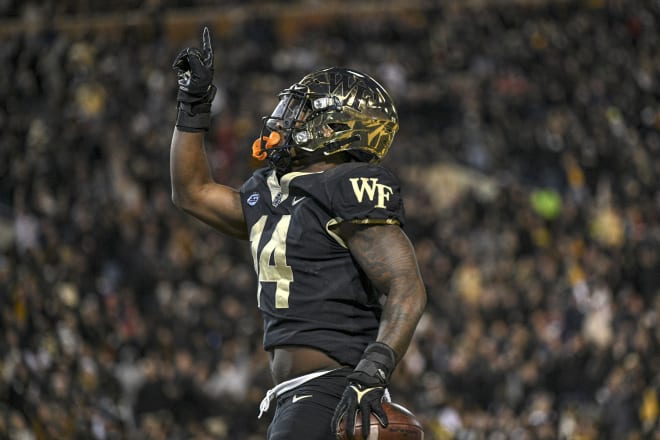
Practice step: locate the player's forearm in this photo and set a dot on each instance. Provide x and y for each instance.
(189, 167)
(405, 304)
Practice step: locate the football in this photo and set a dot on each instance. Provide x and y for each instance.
(403, 425)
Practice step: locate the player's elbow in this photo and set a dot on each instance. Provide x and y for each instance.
(410, 295)
(182, 200)
(177, 200)
(186, 204)
(415, 296)
(422, 301)
(419, 299)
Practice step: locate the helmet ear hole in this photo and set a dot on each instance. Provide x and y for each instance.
(362, 156)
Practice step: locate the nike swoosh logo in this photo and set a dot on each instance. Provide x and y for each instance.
(297, 200)
(297, 397)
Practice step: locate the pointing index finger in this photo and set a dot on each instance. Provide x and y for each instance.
(207, 49)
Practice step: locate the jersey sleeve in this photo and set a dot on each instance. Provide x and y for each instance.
(367, 194)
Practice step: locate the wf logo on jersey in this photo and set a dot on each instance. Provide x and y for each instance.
(370, 187)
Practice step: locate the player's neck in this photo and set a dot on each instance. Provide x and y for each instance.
(317, 167)
(324, 164)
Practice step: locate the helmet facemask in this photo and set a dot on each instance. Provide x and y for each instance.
(328, 112)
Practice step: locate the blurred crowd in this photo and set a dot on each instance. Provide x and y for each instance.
(26, 8)
(529, 150)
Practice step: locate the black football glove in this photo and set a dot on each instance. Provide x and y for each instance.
(366, 387)
(194, 68)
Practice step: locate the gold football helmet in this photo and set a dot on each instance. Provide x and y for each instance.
(328, 112)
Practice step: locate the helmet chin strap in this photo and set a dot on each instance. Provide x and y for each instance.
(280, 160)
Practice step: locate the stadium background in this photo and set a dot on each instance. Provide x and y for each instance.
(530, 153)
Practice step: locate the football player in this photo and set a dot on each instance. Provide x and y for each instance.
(338, 282)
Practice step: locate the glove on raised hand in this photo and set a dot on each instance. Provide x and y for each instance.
(366, 387)
(194, 69)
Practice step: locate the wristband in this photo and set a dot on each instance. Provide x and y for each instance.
(194, 114)
(376, 366)
(193, 117)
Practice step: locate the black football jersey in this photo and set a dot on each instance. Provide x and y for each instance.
(311, 292)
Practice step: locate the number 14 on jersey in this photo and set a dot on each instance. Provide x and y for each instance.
(270, 264)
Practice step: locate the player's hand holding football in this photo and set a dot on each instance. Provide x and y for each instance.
(194, 68)
(366, 388)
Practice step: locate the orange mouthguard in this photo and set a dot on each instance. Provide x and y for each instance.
(271, 141)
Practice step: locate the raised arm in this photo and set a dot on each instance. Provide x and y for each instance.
(193, 188)
(195, 192)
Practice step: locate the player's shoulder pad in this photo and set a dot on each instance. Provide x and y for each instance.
(365, 193)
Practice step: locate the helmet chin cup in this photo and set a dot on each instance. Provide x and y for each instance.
(261, 145)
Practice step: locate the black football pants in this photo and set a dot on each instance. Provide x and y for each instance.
(305, 412)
